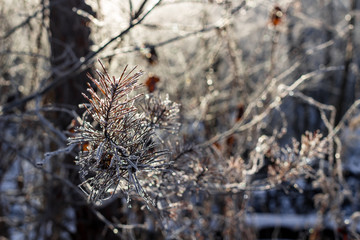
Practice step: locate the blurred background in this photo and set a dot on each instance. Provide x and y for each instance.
(268, 146)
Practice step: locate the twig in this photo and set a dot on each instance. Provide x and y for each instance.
(140, 10)
(25, 22)
(51, 174)
(31, 54)
(349, 53)
(346, 116)
(218, 25)
(107, 223)
(165, 42)
(48, 124)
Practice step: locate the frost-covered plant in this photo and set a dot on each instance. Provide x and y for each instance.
(162, 114)
(117, 140)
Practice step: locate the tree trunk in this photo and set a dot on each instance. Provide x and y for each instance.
(70, 42)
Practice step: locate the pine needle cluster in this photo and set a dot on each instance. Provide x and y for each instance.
(117, 140)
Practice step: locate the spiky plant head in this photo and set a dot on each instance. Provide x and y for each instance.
(119, 143)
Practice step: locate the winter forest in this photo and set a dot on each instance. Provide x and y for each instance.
(179, 119)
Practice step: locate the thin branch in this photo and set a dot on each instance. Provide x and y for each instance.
(36, 166)
(107, 223)
(25, 22)
(349, 53)
(346, 116)
(31, 54)
(218, 25)
(131, 9)
(140, 10)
